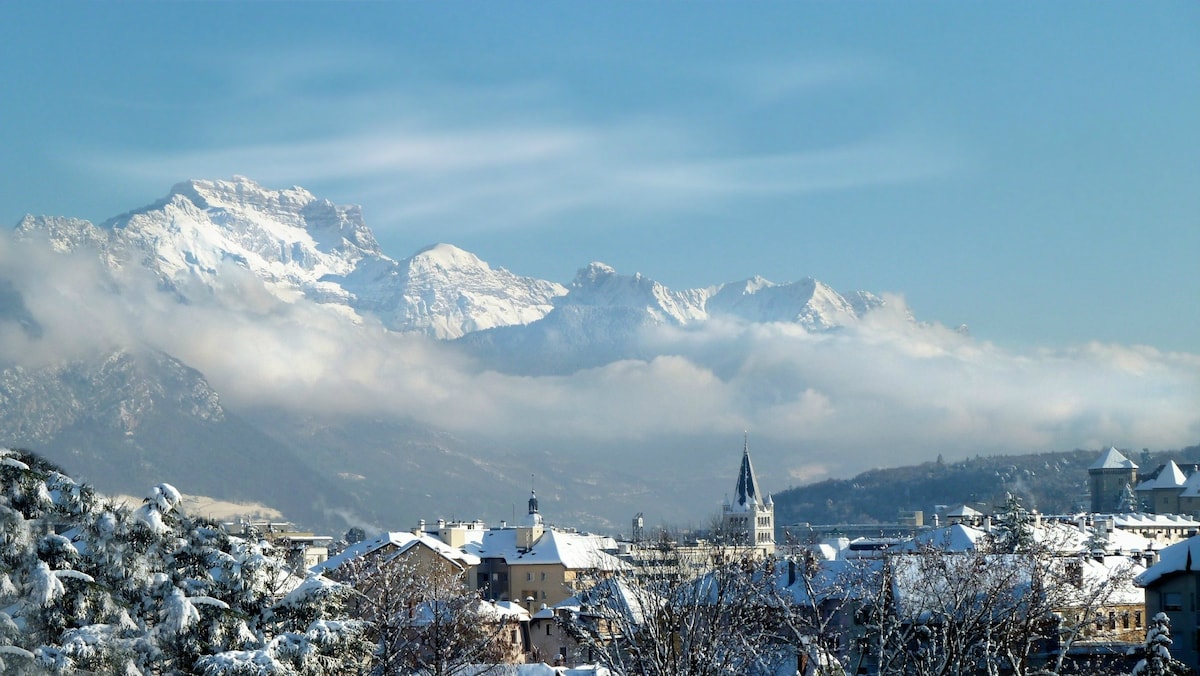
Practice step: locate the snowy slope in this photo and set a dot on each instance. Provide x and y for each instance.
(299, 245)
(808, 302)
(604, 317)
(446, 292)
(599, 285)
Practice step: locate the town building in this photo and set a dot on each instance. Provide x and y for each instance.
(1170, 488)
(1171, 587)
(534, 564)
(415, 550)
(749, 521)
(1111, 480)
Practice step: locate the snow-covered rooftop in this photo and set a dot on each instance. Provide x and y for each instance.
(953, 538)
(963, 512)
(575, 551)
(1181, 557)
(1145, 520)
(1112, 459)
(1171, 477)
(401, 542)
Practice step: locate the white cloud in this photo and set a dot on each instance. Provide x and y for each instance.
(887, 392)
(432, 157)
(459, 180)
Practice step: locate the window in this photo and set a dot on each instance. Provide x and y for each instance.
(1172, 601)
(529, 577)
(543, 576)
(547, 628)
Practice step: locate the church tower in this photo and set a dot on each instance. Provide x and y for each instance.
(531, 528)
(750, 518)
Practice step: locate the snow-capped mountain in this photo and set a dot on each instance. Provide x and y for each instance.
(446, 292)
(130, 415)
(808, 302)
(605, 317)
(299, 245)
(598, 285)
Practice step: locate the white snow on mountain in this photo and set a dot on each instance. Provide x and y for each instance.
(808, 302)
(446, 292)
(298, 245)
(609, 372)
(600, 285)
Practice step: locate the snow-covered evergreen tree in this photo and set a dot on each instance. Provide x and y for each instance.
(89, 585)
(1157, 660)
(1129, 500)
(1014, 527)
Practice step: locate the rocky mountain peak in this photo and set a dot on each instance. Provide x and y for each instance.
(240, 192)
(448, 258)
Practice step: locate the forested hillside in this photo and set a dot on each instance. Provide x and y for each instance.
(1052, 483)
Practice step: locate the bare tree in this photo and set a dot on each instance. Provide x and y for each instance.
(424, 618)
(1020, 611)
(746, 615)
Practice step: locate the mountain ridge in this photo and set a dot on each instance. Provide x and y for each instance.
(298, 243)
(210, 243)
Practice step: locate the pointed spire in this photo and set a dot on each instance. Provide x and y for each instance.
(747, 492)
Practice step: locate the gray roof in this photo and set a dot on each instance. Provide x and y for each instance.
(747, 493)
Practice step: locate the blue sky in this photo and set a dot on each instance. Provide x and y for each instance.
(1032, 170)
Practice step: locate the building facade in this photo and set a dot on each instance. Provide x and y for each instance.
(749, 520)
(1111, 480)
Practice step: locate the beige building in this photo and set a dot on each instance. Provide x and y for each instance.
(533, 564)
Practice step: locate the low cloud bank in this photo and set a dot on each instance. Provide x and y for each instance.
(885, 392)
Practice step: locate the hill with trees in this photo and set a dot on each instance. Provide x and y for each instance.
(1052, 483)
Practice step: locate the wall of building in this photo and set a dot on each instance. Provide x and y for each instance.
(1176, 596)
